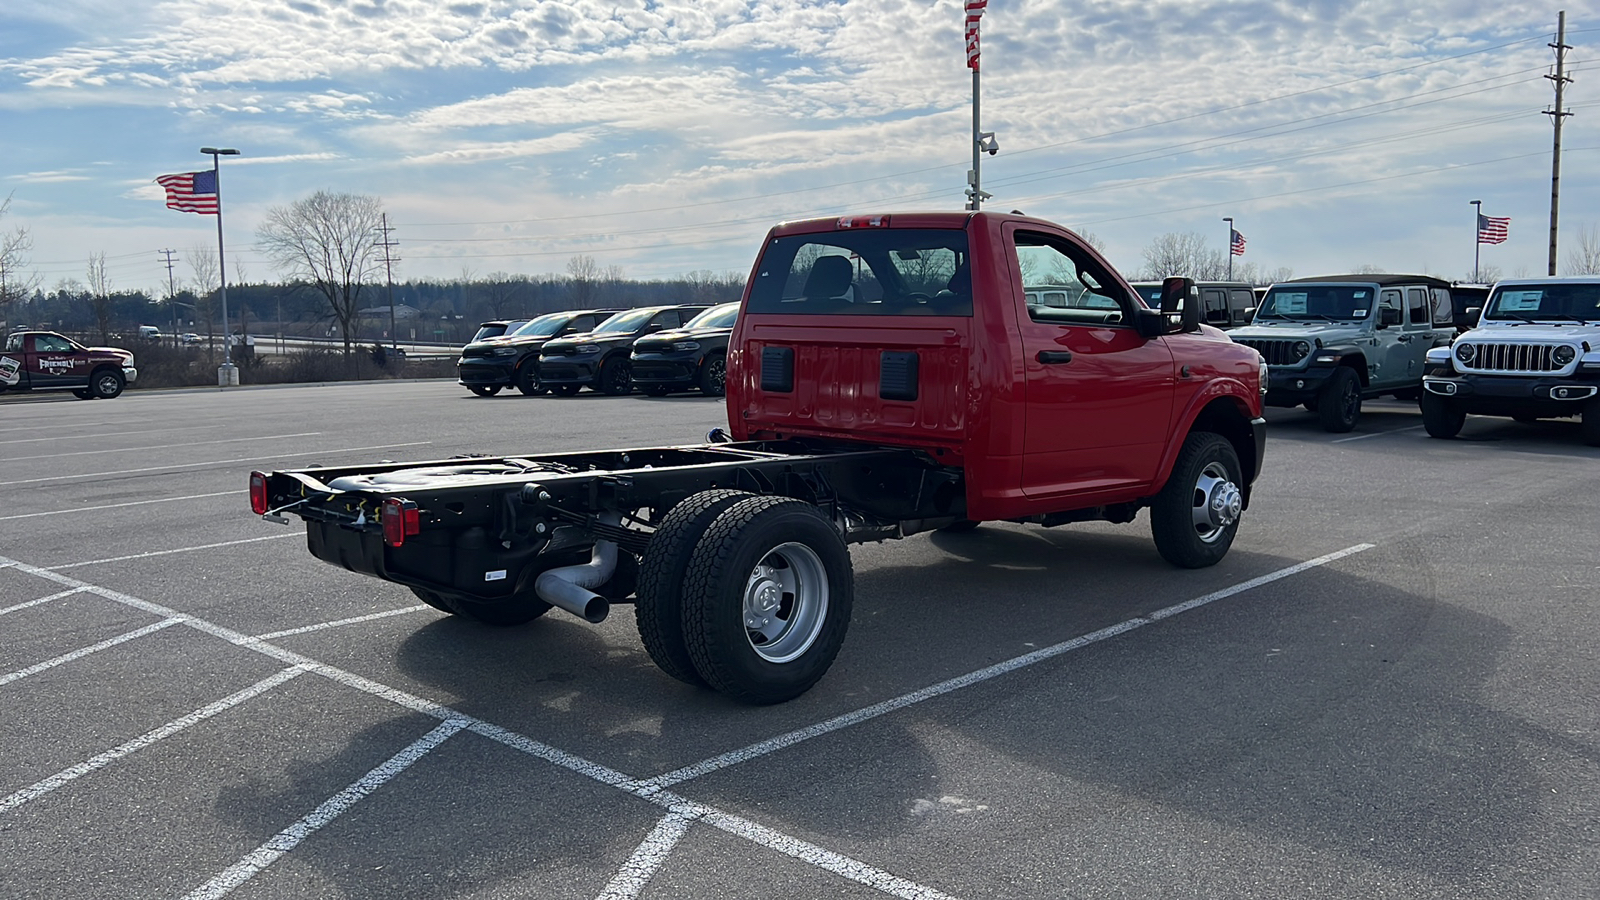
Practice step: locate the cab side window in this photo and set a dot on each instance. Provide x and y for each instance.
(49, 343)
(1062, 284)
(1443, 309)
(14, 343)
(1241, 301)
(1388, 300)
(1417, 306)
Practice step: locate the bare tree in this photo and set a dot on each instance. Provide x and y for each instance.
(1584, 259)
(99, 294)
(330, 242)
(207, 281)
(583, 280)
(1093, 240)
(500, 290)
(1182, 254)
(14, 247)
(1367, 269)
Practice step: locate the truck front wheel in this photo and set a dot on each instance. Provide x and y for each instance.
(659, 608)
(1196, 515)
(767, 599)
(1440, 417)
(528, 380)
(106, 383)
(1339, 403)
(614, 377)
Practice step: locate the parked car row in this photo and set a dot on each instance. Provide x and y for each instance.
(659, 349)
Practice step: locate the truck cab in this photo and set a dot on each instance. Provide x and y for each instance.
(46, 361)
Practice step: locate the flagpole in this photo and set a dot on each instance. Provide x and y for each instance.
(227, 375)
(1477, 237)
(1229, 251)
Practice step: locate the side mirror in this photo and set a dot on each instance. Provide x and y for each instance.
(1472, 311)
(1178, 296)
(1388, 315)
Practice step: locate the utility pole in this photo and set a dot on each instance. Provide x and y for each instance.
(388, 272)
(1556, 114)
(172, 295)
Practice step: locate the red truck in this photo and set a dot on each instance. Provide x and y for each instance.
(46, 361)
(888, 375)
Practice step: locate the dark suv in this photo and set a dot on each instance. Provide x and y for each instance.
(1224, 304)
(694, 357)
(486, 366)
(600, 358)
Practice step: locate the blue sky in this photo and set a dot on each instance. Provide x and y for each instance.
(665, 136)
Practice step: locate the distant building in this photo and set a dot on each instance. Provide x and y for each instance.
(381, 313)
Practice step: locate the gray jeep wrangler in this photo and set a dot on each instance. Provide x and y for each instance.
(1331, 342)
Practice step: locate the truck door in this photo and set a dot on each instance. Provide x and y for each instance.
(1099, 396)
(53, 361)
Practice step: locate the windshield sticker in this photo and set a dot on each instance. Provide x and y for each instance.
(1358, 313)
(1359, 295)
(1520, 301)
(1292, 304)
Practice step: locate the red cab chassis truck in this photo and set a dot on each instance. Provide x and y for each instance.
(888, 375)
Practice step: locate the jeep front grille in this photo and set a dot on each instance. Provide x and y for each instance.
(1513, 358)
(1275, 352)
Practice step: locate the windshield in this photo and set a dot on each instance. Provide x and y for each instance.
(1330, 302)
(544, 326)
(716, 317)
(1524, 302)
(1151, 294)
(624, 322)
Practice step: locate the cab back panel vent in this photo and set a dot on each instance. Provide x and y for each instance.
(777, 370)
(898, 376)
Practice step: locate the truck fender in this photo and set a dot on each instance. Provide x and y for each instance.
(1223, 409)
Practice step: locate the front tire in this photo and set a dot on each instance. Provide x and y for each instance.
(614, 379)
(714, 375)
(107, 384)
(484, 390)
(528, 380)
(1196, 515)
(1440, 418)
(658, 611)
(1339, 402)
(767, 599)
(1591, 423)
(83, 394)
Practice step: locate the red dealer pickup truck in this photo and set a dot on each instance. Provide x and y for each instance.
(46, 361)
(888, 375)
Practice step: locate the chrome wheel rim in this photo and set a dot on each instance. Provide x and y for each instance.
(785, 602)
(107, 384)
(1217, 502)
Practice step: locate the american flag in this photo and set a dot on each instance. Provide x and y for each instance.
(194, 192)
(1493, 229)
(974, 13)
(1235, 242)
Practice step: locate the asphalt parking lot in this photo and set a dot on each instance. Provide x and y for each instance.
(1387, 689)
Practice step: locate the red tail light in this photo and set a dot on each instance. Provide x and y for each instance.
(258, 494)
(401, 519)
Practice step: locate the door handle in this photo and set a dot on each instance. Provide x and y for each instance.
(1404, 338)
(1051, 357)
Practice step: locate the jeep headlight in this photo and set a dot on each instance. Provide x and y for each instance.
(1466, 353)
(504, 351)
(686, 345)
(588, 348)
(1301, 350)
(1564, 355)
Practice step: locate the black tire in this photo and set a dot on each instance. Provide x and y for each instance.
(528, 379)
(565, 390)
(714, 375)
(1440, 418)
(484, 390)
(659, 608)
(1591, 424)
(656, 390)
(106, 384)
(83, 394)
(1339, 401)
(960, 527)
(1206, 483)
(614, 378)
(795, 546)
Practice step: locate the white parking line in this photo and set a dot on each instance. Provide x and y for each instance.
(269, 437)
(81, 509)
(944, 687)
(420, 607)
(289, 838)
(647, 859)
(102, 760)
(214, 462)
(85, 651)
(56, 596)
(112, 559)
(104, 434)
(1362, 437)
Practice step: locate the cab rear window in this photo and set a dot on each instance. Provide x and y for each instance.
(865, 272)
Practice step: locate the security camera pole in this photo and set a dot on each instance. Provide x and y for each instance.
(981, 140)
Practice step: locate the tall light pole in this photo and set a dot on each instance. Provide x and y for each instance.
(228, 375)
(1477, 236)
(1229, 220)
